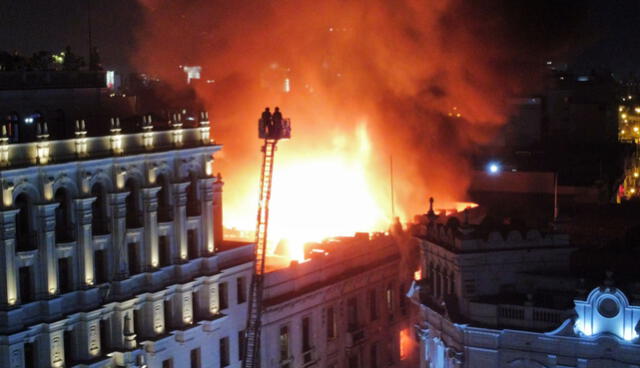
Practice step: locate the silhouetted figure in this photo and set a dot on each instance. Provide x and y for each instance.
(267, 122)
(277, 122)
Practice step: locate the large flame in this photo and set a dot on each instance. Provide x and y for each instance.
(320, 194)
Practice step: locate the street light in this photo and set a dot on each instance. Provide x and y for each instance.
(493, 168)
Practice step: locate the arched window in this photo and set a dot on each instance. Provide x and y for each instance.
(64, 227)
(134, 205)
(100, 221)
(193, 205)
(25, 234)
(165, 210)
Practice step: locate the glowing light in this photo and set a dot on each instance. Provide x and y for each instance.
(632, 190)
(406, 343)
(493, 168)
(327, 193)
(637, 110)
(417, 275)
(624, 116)
(630, 335)
(635, 129)
(622, 131)
(636, 174)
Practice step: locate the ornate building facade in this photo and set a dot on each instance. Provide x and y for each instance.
(344, 308)
(502, 296)
(111, 251)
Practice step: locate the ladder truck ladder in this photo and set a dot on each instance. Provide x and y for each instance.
(251, 344)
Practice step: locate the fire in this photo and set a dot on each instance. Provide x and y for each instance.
(318, 194)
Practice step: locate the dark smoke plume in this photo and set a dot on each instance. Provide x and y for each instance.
(406, 67)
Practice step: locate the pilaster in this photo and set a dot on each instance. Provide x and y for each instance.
(218, 230)
(47, 250)
(84, 216)
(207, 195)
(119, 233)
(8, 271)
(151, 256)
(180, 218)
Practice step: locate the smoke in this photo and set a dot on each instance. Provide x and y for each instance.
(429, 79)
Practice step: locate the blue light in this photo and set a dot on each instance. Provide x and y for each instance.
(493, 167)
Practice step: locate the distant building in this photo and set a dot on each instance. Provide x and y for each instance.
(346, 308)
(501, 295)
(112, 251)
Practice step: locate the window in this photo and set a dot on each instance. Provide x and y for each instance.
(134, 268)
(240, 344)
(64, 275)
(223, 296)
(241, 290)
(68, 342)
(331, 323)
(25, 236)
(64, 228)
(164, 251)
(165, 212)
(100, 262)
(373, 305)
(224, 351)
(306, 339)
(104, 336)
(195, 358)
(373, 355)
(402, 299)
(99, 218)
(26, 286)
(192, 244)
(168, 320)
(30, 356)
(167, 363)
(193, 206)
(352, 314)
(284, 343)
(133, 204)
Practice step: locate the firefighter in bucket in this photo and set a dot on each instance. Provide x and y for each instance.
(274, 126)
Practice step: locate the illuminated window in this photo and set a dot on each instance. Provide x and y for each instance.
(405, 343)
(389, 296)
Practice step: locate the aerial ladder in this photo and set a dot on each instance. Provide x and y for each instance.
(271, 130)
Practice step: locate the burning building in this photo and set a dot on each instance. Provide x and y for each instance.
(499, 294)
(344, 307)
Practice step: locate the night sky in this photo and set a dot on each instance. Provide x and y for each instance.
(611, 33)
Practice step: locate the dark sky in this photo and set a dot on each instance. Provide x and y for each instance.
(612, 36)
(33, 25)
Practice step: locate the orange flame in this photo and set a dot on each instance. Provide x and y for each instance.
(324, 194)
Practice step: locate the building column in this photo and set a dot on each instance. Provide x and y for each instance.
(88, 332)
(151, 257)
(54, 345)
(210, 293)
(84, 242)
(180, 219)
(8, 271)
(119, 233)
(218, 229)
(184, 304)
(47, 250)
(206, 219)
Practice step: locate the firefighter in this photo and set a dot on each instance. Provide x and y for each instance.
(277, 121)
(265, 123)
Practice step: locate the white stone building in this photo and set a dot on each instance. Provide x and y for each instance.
(111, 252)
(345, 308)
(500, 296)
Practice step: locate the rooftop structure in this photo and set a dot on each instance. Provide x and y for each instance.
(503, 295)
